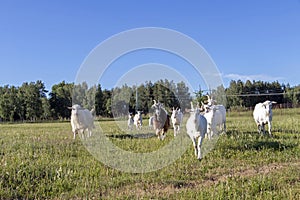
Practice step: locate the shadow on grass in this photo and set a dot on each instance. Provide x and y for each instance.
(132, 136)
(255, 141)
(286, 131)
(274, 145)
(237, 133)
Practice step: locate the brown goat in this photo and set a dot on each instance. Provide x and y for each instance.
(161, 120)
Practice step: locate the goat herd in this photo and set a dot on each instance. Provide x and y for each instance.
(208, 119)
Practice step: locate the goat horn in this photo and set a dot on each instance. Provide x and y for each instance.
(192, 106)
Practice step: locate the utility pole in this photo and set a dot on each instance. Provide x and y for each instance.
(136, 98)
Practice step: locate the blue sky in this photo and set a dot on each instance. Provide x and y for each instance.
(49, 40)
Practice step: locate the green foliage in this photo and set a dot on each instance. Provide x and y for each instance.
(292, 95)
(248, 94)
(99, 101)
(22, 103)
(141, 97)
(60, 99)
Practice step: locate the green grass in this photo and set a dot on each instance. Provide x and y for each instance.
(41, 161)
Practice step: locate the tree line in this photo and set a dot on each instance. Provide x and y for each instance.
(249, 93)
(32, 102)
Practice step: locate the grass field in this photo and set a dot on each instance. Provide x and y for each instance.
(42, 160)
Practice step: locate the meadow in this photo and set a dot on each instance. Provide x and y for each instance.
(42, 161)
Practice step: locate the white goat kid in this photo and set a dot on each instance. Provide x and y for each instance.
(196, 127)
(263, 115)
(137, 120)
(130, 121)
(81, 120)
(176, 119)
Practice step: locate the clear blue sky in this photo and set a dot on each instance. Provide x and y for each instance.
(49, 40)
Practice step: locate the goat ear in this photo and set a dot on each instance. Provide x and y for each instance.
(70, 108)
(267, 103)
(274, 102)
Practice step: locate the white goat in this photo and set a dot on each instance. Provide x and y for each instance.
(137, 120)
(196, 127)
(81, 120)
(130, 121)
(216, 118)
(151, 122)
(262, 115)
(211, 102)
(176, 119)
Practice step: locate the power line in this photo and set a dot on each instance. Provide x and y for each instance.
(248, 95)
